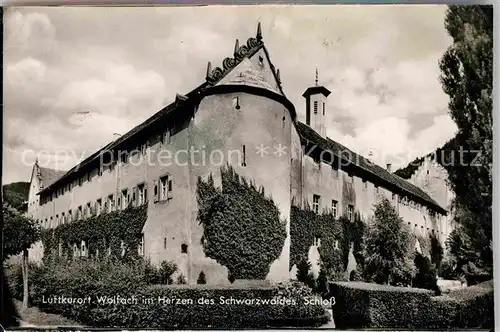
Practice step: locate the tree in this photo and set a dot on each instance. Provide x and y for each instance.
(467, 78)
(19, 234)
(388, 253)
(242, 228)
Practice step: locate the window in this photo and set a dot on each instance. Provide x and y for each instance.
(57, 220)
(70, 215)
(351, 177)
(141, 193)
(122, 246)
(165, 137)
(140, 247)
(315, 107)
(334, 208)
(124, 199)
(165, 243)
(376, 189)
(111, 203)
(335, 172)
(244, 161)
(350, 212)
(261, 61)
(63, 218)
(79, 214)
(236, 103)
(317, 241)
(316, 199)
(88, 210)
(393, 197)
(123, 156)
(76, 252)
(83, 249)
(184, 248)
(144, 148)
(323, 108)
(365, 184)
(165, 188)
(98, 206)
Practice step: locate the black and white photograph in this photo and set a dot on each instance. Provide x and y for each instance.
(248, 167)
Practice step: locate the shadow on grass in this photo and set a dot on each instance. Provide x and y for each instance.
(10, 315)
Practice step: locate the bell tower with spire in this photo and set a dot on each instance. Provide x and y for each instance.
(316, 106)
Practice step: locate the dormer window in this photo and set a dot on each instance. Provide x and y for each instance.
(165, 137)
(261, 61)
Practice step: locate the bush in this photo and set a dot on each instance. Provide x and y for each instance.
(361, 305)
(202, 306)
(426, 274)
(303, 274)
(201, 278)
(165, 272)
(356, 274)
(181, 279)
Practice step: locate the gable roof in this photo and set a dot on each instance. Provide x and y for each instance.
(48, 176)
(213, 76)
(310, 137)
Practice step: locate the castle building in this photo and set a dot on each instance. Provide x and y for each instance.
(239, 116)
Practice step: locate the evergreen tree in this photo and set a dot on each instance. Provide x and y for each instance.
(388, 255)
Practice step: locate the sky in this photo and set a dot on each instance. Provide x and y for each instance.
(73, 77)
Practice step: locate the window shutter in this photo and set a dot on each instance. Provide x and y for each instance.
(169, 190)
(156, 191)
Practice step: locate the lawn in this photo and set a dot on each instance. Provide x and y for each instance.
(34, 317)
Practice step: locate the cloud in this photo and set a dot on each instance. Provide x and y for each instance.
(73, 76)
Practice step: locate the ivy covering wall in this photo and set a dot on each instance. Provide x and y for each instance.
(306, 226)
(242, 228)
(103, 235)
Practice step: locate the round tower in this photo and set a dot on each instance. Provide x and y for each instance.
(243, 119)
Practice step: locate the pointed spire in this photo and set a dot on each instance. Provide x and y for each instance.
(278, 76)
(209, 69)
(236, 46)
(316, 80)
(259, 32)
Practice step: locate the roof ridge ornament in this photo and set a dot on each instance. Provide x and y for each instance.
(240, 52)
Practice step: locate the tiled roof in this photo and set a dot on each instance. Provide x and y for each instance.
(309, 136)
(213, 76)
(49, 175)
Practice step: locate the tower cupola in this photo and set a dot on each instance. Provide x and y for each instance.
(316, 105)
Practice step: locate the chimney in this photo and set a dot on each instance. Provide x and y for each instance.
(389, 167)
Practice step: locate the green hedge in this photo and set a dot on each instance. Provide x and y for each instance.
(362, 305)
(96, 279)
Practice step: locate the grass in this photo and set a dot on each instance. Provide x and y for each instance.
(33, 316)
